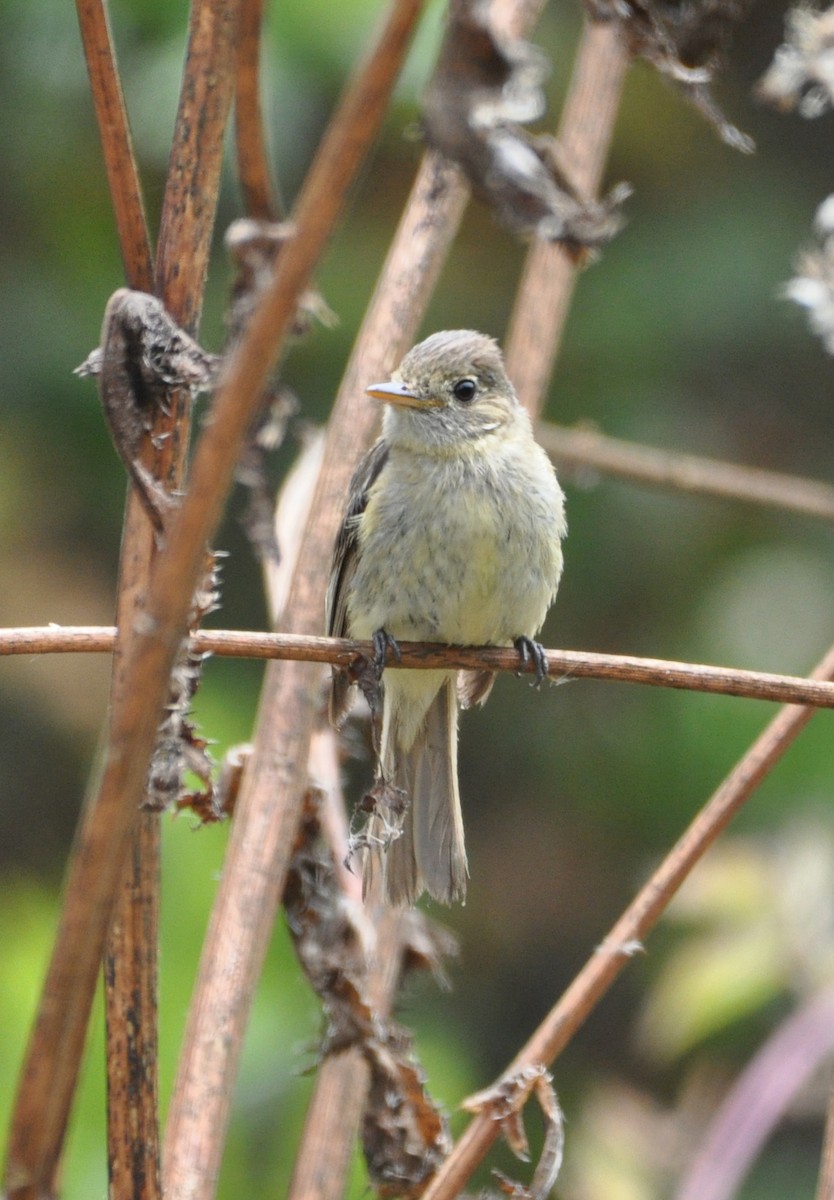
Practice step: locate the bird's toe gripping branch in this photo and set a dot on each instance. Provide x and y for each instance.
(530, 651)
(383, 642)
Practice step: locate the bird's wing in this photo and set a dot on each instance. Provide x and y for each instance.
(344, 565)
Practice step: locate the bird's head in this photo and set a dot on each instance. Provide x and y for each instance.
(449, 390)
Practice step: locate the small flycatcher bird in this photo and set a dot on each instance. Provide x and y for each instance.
(452, 534)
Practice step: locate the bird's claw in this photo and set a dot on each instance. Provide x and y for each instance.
(383, 642)
(534, 652)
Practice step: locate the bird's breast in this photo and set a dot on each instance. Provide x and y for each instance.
(464, 549)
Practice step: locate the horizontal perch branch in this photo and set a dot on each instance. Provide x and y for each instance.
(561, 664)
(577, 448)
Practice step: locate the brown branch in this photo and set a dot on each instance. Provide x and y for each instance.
(95, 873)
(130, 976)
(627, 935)
(116, 143)
(131, 998)
(131, 966)
(59, 639)
(259, 198)
(583, 448)
(544, 294)
(562, 665)
(190, 201)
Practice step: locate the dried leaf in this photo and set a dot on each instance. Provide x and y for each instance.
(484, 86)
(330, 935)
(813, 286)
(179, 747)
(217, 802)
(377, 821)
(425, 944)
(404, 1136)
(801, 75)
(504, 1102)
(253, 247)
(685, 41)
(143, 356)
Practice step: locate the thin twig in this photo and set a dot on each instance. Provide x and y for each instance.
(200, 1104)
(585, 131)
(562, 665)
(50, 1068)
(259, 196)
(578, 449)
(627, 935)
(116, 143)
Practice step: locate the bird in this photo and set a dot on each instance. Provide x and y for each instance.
(452, 533)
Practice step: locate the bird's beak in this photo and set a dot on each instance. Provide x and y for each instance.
(397, 393)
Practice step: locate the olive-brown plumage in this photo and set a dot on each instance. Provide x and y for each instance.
(452, 534)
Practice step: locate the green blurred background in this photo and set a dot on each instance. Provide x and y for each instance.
(678, 337)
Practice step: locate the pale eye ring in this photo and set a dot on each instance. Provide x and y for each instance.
(465, 390)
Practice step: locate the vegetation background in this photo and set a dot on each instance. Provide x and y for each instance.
(678, 338)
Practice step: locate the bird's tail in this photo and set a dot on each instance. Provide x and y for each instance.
(429, 855)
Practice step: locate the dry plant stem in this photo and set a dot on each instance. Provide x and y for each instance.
(130, 989)
(131, 952)
(562, 665)
(131, 966)
(586, 448)
(327, 1139)
(95, 870)
(116, 142)
(626, 936)
(130, 982)
(259, 199)
(546, 286)
(335, 1110)
(190, 201)
(324, 1151)
(324, 765)
(825, 1182)
(200, 1103)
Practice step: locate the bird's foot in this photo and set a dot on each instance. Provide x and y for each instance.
(383, 642)
(367, 673)
(530, 651)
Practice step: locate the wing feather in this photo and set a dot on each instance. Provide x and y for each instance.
(344, 567)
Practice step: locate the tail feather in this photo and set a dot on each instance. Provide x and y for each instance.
(429, 855)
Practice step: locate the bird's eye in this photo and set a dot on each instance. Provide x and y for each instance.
(465, 390)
